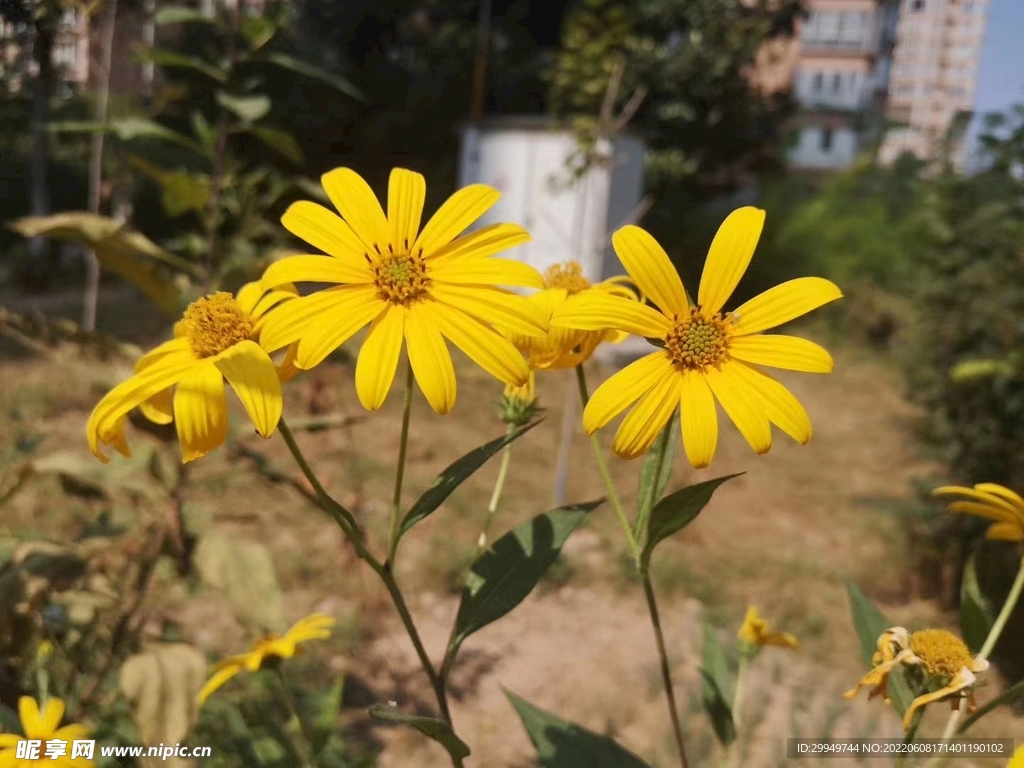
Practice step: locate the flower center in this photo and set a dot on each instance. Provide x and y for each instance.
(567, 275)
(942, 653)
(698, 341)
(401, 278)
(215, 323)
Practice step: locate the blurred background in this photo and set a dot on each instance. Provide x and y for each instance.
(148, 151)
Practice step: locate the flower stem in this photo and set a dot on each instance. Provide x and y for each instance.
(499, 486)
(602, 466)
(396, 505)
(666, 672)
(295, 731)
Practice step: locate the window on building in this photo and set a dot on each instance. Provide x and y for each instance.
(828, 26)
(826, 139)
(837, 83)
(816, 82)
(917, 5)
(852, 29)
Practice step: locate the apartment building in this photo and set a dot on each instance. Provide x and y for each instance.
(840, 77)
(934, 75)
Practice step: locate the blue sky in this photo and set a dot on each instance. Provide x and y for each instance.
(1001, 75)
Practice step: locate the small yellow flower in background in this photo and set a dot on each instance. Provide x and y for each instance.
(314, 627)
(994, 502)
(755, 633)
(706, 354)
(519, 403)
(942, 663)
(420, 286)
(564, 347)
(182, 380)
(45, 727)
(1017, 761)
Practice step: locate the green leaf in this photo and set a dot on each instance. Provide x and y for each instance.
(454, 476)
(130, 128)
(279, 140)
(507, 572)
(561, 744)
(248, 109)
(258, 31)
(718, 686)
(655, 473)
(172, 60)
(308, 70)
(244, 571)
(181, 191)
(676, 511)
(438, 730)
(179, 14)
(325, 717)
(976, 614)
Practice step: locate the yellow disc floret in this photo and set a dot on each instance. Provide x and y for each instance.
(698, 341)
(214, 323)
(567, 276)
(942, 653)
(401, 278)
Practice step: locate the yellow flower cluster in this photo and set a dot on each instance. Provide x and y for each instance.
(423, 288)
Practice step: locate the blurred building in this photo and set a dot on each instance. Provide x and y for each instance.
(934, 75)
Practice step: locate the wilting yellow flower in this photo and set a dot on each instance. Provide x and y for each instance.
(994, 502)
(423, 286)
(182, 380)
(755, 632)
(705, 355)
(564, 347)
(315, 627)
(1017, 761)
(941, 662)
(43, 726)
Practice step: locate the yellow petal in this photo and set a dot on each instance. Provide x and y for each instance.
(745, 413)
(777, 403)
(324, 230)
(783, 303)
(378, 358)
(597, 312)
(486, 241)
(983, 496)
(789, 352)
(175, 348)
(431, 362)
(31, 722)
(200, 411)
(1006, 532)
(1003, 493)
(287, 369)
(984, 509)
(458, 212)
(624, 388)
(642, 425)
(8, 740)
(651, 269)
(1017, 761)
(729, 257)
(336, 326)
(507, 311)
(354, 199)
(485, 271)
(699, 417)
(315, 269)
(482, 344)
(159, 409)
(962, 679)
(305, 316)
(253, 377)
(406, 192)
(49, 720)
(248, 295)
(217, 680)
(270, 299)
(71, 733)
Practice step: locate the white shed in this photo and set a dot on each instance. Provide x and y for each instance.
(527, 160)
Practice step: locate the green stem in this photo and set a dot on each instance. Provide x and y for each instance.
(737, 705)
(341, 515)
(396, 505)
(499, 486)
(644, 513)
(666, 672)
(602, 467)
(295, 730)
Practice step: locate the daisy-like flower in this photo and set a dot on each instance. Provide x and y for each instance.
(755, 633)
(564, 347)
(182, 380)
(45, 727)
(704, 354)
(421, 286)
(1002, 506)
(940, 667)
(314, 627)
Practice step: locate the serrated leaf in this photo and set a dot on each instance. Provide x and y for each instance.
(173, 60)
(676, 511)
(976, 613)
(309, 70)
(870, 623)
(248, 109)
(244, 571)
(561, 744)
(655, 473)
(454, 476)
(718, 686)
(280, 141)
(507, 572)
(438, 730)
(179, 14)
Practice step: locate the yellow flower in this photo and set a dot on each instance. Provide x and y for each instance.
(993, 502)
(564, 347)
(182, 380)
(315, 627)
(423, 286)
(705, 355)
(756, 633)
(942, 665)
(1017, 761)
(43, 727)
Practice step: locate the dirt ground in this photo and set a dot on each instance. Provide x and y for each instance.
(783, 536)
